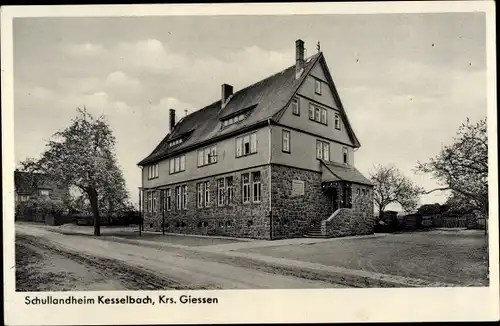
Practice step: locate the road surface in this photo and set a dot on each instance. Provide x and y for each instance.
(87, 262)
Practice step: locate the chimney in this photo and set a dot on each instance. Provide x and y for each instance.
(226, 93)
(172, 119)
(299, 57)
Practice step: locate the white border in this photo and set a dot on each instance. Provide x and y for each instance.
(249, 306)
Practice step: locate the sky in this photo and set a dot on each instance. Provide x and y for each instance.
(407, 81)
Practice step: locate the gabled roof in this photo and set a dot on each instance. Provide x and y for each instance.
(332, 171)
(266, 100)
(27, 182)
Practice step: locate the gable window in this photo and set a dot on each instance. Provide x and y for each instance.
(345, 155)
(229, 190)
(207, 156)
(153, 171)
(286, 141)
(168, 199)
(256, 187)
(295, 106)
(322, 150)
(206, 186)
(318, 114)
(199, 191)
(245, 180)
(317, 87)
(178, 164)
(246, 145)
(220, 191)
(337, 121)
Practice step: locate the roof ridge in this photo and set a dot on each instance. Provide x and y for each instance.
(251, 85)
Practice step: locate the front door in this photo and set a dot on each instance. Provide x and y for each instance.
(335, 200)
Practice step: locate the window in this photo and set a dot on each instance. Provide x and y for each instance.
(345, 155)
(245, 179)
(155, 201)
(199, 191)
(153, 171)
(286, 141)
(246, 145)
(249, 222)
(23, 198)
(220, 192)
(323, 116)
(175, 142)
(206, 185)
(318, 114)
(233, 120)
(229, 190)
(358, 191)
(44, 192)
(322, 150)
(295, 106)
(337, 121)
(178, 198)
(184, 196)
(221, 224)
(317, 87)
(256, 186)
(347, 196)
(229, 224)
(178, 164)
(202, 224)
(150, 201)
(168, 199)
(207, 156)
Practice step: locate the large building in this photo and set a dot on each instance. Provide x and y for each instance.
(272, 160)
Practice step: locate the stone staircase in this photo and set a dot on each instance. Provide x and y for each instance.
(315, 232)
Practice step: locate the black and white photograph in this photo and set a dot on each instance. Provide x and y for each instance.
(158, 160)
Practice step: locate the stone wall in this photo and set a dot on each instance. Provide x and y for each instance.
(294, 215)
(246, 220)
(357, 220)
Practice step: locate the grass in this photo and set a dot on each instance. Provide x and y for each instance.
(457, 258)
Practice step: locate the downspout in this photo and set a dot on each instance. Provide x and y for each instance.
(269, 178)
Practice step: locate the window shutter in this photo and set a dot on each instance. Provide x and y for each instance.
(238, 146)
(253, 143)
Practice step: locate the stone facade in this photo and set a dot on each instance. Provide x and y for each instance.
(288, 215)
(357, 220)
(293, 216)
(237, 219)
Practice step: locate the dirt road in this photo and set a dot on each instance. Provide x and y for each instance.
(86, 262)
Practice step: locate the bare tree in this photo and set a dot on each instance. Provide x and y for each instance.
(82, 155)
(391, 186)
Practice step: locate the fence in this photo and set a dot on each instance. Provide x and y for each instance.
(417, 221)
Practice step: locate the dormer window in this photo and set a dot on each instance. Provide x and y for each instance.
(345, 155)
(233, 120)
(175, 142)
